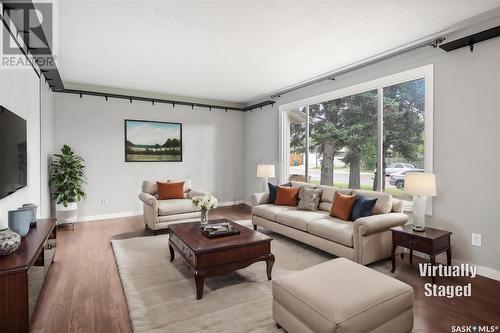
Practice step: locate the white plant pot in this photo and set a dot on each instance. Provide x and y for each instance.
(67, 214)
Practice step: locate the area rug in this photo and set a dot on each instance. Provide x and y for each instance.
(161, 294)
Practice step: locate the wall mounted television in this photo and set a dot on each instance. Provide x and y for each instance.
(13, 152)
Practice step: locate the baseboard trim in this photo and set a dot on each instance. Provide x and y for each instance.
(108, 216)
(139, 212)
(484, 271)
(231, 203)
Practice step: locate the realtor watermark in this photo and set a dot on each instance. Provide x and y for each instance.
(474, 328)
(450, 291)
(30, 26)
(462, 270)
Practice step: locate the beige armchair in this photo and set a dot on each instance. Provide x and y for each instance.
(159, 214)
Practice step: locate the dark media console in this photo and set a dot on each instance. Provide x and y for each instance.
(22, 274)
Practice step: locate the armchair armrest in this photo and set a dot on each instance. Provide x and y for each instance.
(260, 198)
(148, 199)
(195, 193)
(150, 210)
(377, 223)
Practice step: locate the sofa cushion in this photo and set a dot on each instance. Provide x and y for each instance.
(363, 207)
(333, 229)
(329, 191)
(170, 190)
(272, 191)
(175, 206)
(299, 219)
(150, 186)
(269, 211)
(342, 206)
(309, 198)
(287, 196)
(342, 296)
(384, 201)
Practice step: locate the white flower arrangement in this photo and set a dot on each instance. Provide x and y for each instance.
(205, 202)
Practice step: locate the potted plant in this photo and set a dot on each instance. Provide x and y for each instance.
(67, 181)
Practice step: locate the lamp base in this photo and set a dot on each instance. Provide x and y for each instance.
(419, 228)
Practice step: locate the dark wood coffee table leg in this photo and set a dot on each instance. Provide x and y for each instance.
(269, 265)
(172, 253)
(411, 256)
(393, 258)
(199, 279)
(448, 256)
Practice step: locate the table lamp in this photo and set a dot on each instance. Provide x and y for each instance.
(265, 171)
(421, 185)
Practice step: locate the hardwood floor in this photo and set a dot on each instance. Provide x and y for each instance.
(83, 292)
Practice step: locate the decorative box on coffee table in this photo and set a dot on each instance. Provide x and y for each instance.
(221, 255)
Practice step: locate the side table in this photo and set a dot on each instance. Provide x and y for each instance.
(431, 241)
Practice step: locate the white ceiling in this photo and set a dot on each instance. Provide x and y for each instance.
(235, 51)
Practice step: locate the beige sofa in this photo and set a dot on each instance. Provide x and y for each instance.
(159, 214)
(364, 241)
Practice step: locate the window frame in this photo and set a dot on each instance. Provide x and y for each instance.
(424, 72)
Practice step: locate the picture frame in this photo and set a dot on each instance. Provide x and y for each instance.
(152, 141)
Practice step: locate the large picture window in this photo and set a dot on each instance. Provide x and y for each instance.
(341, 138)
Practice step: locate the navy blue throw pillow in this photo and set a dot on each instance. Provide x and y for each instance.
(362, 207)
(272, 191)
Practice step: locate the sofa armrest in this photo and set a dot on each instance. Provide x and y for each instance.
(260, 198)
(196, 193)
(378, 223)
(148, 199)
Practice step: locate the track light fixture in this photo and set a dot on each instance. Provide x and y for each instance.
(153, 101)
(435, 43)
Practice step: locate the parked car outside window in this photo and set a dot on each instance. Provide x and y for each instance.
(398, 179)
(396, 168)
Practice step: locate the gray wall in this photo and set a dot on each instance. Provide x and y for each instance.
(466, 140)
(20, 93)
(46, 148)
(94, 128)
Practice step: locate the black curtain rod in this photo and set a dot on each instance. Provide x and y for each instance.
(163, 101)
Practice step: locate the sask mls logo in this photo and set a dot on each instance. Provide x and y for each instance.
(34, 25)
(474, 329)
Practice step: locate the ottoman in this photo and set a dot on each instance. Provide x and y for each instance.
(342, 296)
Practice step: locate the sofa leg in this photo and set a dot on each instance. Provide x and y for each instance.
(155, 232)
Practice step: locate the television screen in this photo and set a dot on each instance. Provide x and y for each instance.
(13, 155)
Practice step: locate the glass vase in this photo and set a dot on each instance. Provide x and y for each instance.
(204, 217)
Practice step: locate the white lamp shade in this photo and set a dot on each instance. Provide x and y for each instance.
(420, 183)
(265, 170)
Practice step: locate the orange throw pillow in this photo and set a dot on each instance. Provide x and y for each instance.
(287, 196)
(342, 206)
(170, 190)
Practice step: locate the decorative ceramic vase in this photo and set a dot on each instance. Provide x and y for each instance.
(19, 221)
(204, 217)
(9, 241)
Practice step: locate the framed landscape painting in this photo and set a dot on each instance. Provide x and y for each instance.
(152, 141)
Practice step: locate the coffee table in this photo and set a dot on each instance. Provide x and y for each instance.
(221, 255)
